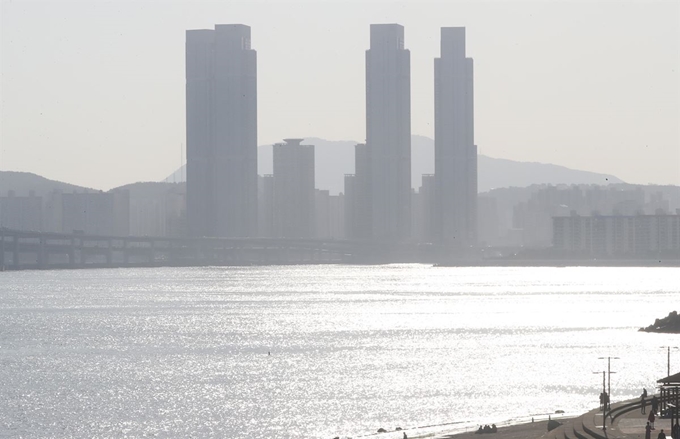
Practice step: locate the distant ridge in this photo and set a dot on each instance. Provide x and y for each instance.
(22, 183)
(334, 159)
(149, 189)
(525, 174)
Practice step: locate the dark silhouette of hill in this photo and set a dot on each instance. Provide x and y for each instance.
(334, 159)
(22, 183)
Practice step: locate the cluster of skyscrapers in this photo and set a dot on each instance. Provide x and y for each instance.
(222, 192)
(226, 198)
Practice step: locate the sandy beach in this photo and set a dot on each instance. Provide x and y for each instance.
(519, 431)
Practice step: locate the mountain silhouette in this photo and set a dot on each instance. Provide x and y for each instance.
(22, 183)
(335, 158)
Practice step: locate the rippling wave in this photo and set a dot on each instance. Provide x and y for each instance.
(319, 351)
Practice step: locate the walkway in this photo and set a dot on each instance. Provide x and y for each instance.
(626, 422)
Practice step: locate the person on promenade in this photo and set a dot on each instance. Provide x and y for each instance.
(661, 435)
(602, 401)
(406, 437)
(675, 432)
(643, 403)
(607, 406)
(655, 404)
(648, 431)
(644, 392)
(651, 418)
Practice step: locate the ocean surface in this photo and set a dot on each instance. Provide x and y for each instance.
(321, 351)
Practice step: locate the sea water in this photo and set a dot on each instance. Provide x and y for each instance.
(321, 351)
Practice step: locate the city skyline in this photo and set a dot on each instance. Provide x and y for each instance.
(548, 90)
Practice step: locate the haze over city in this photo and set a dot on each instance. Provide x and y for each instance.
(93, 93)
(339, 219)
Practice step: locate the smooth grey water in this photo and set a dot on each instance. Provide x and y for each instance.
(183, 352)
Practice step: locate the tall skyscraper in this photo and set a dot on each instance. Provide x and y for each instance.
(221, 112)
(388, 132)
(455, 149)
(293, 213)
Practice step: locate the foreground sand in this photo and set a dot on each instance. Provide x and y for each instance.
(521, 431)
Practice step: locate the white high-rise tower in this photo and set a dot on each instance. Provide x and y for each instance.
(388, 132)
(221, 124)
(455, 219)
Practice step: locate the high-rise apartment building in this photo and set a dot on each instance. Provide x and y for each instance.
(388, 132)
(265, 206)
(358, 199)
(455, 150)
(293, 212)
(427, 209)
(221, 124)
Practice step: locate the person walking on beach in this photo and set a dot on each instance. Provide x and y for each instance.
(648, 431)
(643, 403)
(651, 418)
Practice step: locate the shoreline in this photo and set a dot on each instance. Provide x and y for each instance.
(513, 428)
(512, 431)
(517, 428)
(563, 263)
(476, 263)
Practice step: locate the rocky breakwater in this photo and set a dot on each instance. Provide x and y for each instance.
(667, 325)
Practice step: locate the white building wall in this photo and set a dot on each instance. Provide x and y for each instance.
(388, 131)
(455, 150)
(221, 132)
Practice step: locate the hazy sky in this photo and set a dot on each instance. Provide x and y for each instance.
(93, 92)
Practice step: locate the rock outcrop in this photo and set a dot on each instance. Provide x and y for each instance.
(667, 325)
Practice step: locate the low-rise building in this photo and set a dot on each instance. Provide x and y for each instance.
(293, 191)
(97, 213)
(21, 213)
(617, 235)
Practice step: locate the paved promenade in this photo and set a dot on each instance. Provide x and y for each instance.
(628, 423)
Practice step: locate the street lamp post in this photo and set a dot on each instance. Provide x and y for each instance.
(604, 427)
(604, 382)
(668, 363)
(609, 390)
